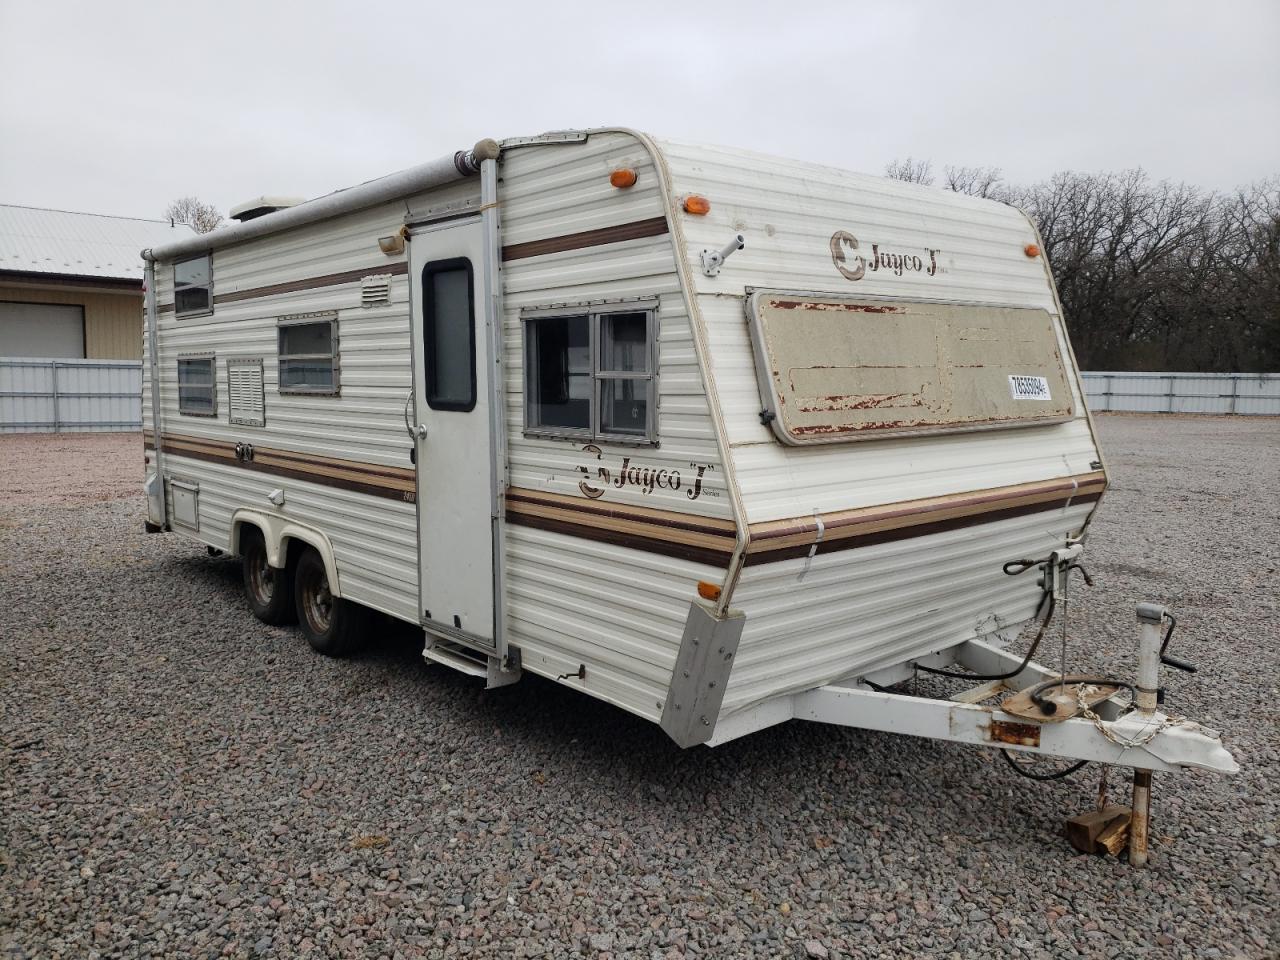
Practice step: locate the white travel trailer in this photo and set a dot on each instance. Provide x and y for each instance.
(718, 438)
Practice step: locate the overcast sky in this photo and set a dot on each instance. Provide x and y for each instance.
(119, 108)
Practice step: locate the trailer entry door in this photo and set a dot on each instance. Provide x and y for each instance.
(452, 442)
(832, 369)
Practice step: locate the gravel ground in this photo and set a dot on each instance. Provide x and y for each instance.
(179, 780)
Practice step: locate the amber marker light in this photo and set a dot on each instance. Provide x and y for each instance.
(696, 205)
(1031, 250)
(626, 177)
(708, 591)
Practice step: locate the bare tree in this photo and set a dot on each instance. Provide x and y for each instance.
(976, 181)
(201, 217)
(1152, 275)
(912, 171)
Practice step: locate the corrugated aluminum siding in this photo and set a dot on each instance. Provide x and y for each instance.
(375, 539)
(570, 601)
(859, 609)
(61, 396)
(787, 212)
(1223, 393)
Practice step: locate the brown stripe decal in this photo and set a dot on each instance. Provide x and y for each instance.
(710, 540)
(845, 524)
(308, 283)
(653, 227)
(667, 547)
(688, 537)
(765, 554)
(394, 483)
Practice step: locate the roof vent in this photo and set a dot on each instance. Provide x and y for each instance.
(261, 206)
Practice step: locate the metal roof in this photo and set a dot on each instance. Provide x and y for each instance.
(35, 240)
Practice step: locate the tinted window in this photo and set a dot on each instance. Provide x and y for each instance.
(193, 286)
(558, 372)
(449, 335)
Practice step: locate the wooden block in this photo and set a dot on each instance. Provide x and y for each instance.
(1084, 829)
(1115, 837)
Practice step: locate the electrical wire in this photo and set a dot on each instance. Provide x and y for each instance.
(1024, 772)
(1044, 625)
(1013, 568)
(1049, 708)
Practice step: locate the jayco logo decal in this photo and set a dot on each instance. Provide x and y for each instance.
(645, 479)
(854, 266)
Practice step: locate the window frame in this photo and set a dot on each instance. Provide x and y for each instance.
(213, 385)
(301, 320)
(594, 312)
(204, 311)
(428, 331)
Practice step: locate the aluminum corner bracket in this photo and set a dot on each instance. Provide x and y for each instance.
(707, 651)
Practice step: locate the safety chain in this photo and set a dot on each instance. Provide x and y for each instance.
(1084, 690)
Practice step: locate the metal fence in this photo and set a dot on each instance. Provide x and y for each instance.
(58, 396)
(63, 396)
(1242, 393)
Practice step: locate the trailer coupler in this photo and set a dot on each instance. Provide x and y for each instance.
(1157, 742)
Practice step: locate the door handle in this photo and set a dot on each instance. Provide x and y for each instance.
(422, 431)
(408, 427)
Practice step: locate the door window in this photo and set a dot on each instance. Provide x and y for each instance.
(449, 335)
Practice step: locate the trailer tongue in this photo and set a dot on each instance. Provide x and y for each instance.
(1023, 707)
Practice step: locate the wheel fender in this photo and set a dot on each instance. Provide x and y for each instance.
(293, 531)
(276, 534)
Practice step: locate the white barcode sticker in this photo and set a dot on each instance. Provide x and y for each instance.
(1029, 388)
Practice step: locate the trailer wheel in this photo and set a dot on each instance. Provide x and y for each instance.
(270, 591)
(332, 626)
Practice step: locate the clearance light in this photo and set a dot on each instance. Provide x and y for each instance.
(708, 591)
(1031, 250)
(696, 205)
(623, 178)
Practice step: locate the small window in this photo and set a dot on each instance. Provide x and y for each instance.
(558, 373)
(591, 375)
(193, 286)
(449, 335)
(308, 353)
(197, 386)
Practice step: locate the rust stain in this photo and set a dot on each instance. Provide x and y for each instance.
(1023, 734)
(819, 305)
(818, 429)
(839, 401)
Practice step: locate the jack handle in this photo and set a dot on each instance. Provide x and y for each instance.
(1175, 662)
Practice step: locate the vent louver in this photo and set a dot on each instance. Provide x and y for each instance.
(375, 290)
(244, 390)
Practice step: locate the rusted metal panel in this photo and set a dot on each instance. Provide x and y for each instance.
(1022, 734)
(835, 369)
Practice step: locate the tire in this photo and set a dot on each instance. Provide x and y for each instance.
(333, 626)
(269, 590)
